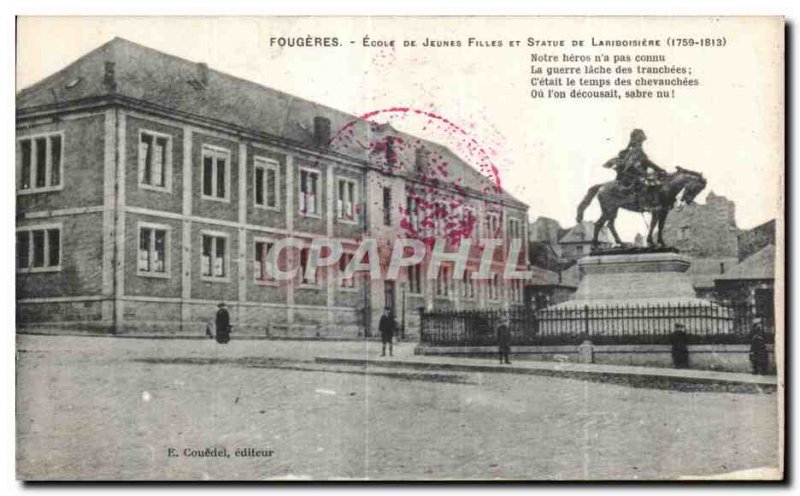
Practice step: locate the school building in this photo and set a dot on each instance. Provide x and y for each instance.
(150, 188)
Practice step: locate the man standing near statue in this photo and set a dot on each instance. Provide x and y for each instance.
(387, 327)
(504, 340)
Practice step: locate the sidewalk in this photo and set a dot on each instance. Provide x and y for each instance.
(404, 358)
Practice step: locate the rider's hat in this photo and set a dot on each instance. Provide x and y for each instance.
(638, 135)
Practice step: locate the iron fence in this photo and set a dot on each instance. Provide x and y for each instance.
(614, 324)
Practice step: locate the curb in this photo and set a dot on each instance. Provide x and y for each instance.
(246, 337)
(633, 377)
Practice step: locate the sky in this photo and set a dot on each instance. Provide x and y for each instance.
(548, 151)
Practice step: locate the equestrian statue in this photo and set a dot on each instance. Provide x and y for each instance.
(640, 186)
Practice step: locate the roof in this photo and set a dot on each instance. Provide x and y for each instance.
(584, 232)
(760, 265)
(190, 88)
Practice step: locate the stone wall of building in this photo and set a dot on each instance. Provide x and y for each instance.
(113, 215)
(704, 229)
(753, 240)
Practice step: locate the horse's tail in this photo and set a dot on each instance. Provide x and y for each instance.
(587, 200)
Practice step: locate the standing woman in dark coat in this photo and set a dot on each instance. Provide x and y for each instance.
(223, 324)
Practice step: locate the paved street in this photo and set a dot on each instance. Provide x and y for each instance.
(106, 408)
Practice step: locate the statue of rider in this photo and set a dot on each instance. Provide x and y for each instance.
(634, 168)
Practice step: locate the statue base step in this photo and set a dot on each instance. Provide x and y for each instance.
(642, 278)
(633, 294)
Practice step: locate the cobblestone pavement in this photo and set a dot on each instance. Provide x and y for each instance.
(106, 408)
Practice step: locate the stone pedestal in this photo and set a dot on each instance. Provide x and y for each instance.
(634, 278)
(634, 294)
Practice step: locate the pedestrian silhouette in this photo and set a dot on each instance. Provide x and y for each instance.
(223, 324)
(680, 351)
(758, 349)
(387, 327)
(504, 341)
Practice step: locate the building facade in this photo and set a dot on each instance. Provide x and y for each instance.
(704, 230)
(751, 283)
(150, 188)
(577, 241)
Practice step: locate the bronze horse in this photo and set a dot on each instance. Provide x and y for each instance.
(613, 196)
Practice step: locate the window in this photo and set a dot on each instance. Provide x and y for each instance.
(494, 287)
(387, 206)
(216, 173)
(309, 193)
(262, 249)
(516, 291)
(765, 304)
(153, 250)
(346, 200)
(514, 228)
(39, 249)
(440, 219)
(155, 160)
(468, 221)
(388, 296)
(492, 225)
(469, 285)
(579, 249)
(214, 262)
(41, 162)
(443, 282)
(266, 183)
(414, 274)
(348, 282)
(682, 233)
(305, 254)
(412, 212)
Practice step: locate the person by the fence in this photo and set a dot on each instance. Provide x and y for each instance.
(504, 341)
(758, 349)
(387, 327)
(680, 351)
(223, 324)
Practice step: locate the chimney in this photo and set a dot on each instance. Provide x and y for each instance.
(109, 76)
(322, 131)
(202, 73)
(421, 156)
(391, 157)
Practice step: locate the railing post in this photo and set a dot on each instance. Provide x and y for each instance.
(586, 322)
(422, 333)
